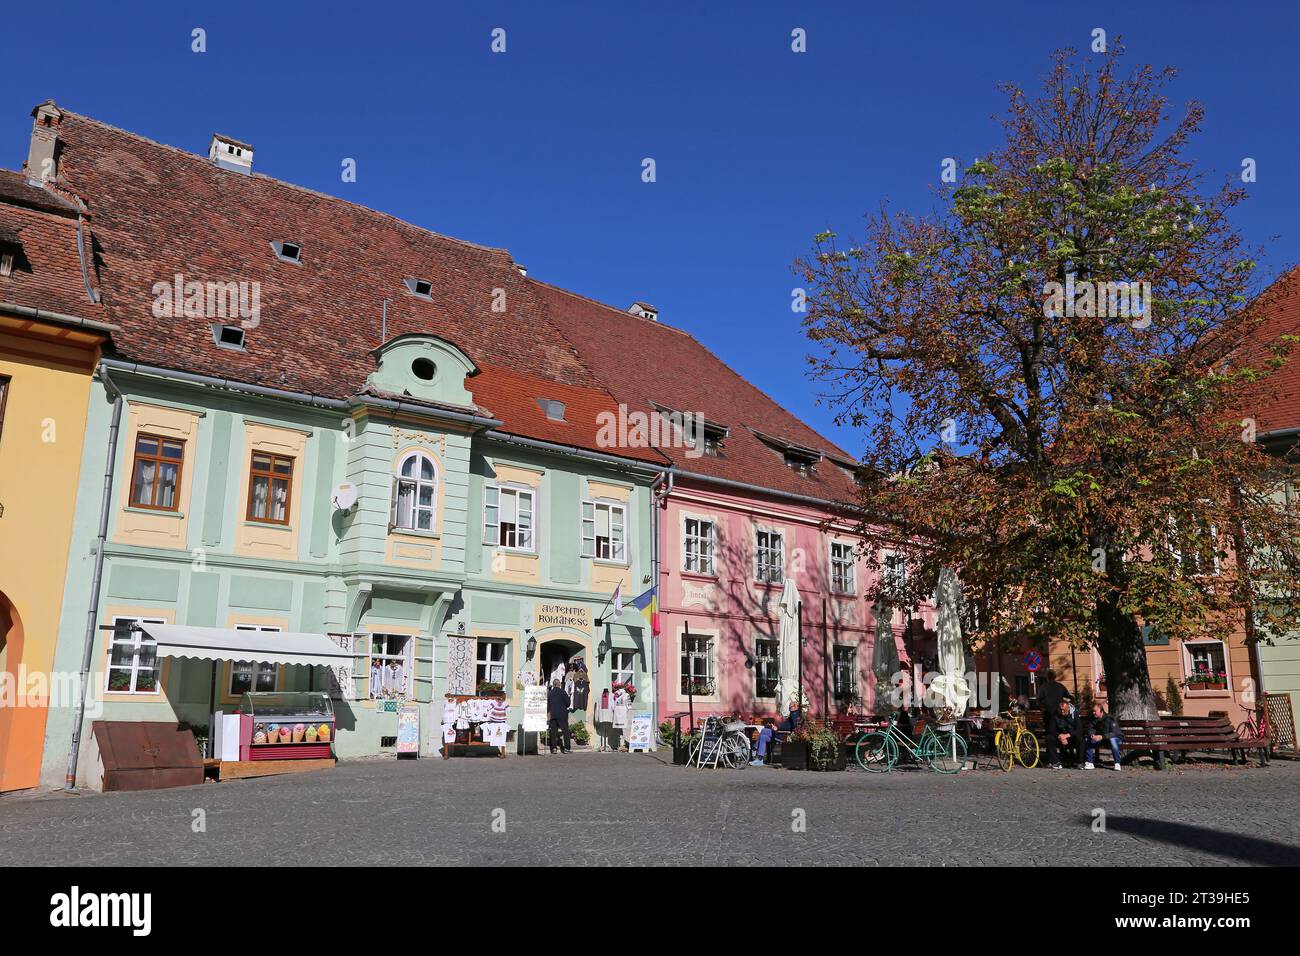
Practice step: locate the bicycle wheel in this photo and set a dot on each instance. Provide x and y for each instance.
(737, 753)
(876, 752)
(1027, 749)
(945, 752)
(1005, 746)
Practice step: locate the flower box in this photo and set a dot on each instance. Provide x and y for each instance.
(794, 754)
(1196, 685)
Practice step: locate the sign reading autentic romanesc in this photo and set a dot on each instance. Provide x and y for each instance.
(576, 616)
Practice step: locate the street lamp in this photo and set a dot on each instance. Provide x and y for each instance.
(531, 646)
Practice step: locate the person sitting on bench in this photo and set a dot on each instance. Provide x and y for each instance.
(1063, 731)
(1102, 729)
(764, 742)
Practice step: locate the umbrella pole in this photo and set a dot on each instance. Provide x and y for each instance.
(799, 644)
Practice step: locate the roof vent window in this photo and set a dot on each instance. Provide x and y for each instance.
(421, 287)
(423, 369)
(287, 251)
(228, 336)
(645, 310)
(553, 409)
(231, 154)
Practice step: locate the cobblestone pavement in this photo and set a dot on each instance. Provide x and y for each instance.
(636, 809)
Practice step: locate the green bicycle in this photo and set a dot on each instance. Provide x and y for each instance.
(943, 751)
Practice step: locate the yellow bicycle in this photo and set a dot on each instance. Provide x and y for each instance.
(1013, 742)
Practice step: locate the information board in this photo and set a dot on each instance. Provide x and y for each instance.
(534, 709)
(641, 736)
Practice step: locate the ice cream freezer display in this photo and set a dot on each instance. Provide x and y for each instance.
(286, 725)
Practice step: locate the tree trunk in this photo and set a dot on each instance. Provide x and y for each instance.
(1124, 656)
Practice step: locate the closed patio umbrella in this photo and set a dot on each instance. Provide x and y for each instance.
(788, 675)
(950, 687)
(884, 657)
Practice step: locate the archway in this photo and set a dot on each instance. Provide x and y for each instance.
(560, 646)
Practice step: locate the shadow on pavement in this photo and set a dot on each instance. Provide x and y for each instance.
(1206, 840)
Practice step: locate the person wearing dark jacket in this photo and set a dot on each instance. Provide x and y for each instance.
(1063, 731)
(1102, 729)
(557, 710)
(1050, 697)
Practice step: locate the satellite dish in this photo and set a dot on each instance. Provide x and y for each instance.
(344, 496)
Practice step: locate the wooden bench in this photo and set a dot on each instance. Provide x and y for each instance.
(1185, 735)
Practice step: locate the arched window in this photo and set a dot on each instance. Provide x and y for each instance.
(415, 489)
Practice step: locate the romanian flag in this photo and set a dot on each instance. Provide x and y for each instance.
(648, 604)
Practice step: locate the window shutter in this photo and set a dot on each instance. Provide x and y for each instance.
(491, 510)
(419, 663)
(588, 530)
(617, 551)
(392, 510)
(524, 507)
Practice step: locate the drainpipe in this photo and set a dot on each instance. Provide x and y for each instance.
(97, 579)
(654, 582)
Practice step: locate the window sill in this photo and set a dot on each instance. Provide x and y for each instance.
(270, 525)
(159, 512)
(699, 576)
(607, 563)
(518, 551)
(415, 533)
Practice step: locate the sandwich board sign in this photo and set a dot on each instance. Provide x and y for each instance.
(640, 736)
(408, 729)
(534, 709)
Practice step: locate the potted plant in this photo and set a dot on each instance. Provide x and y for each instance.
(578, 732)
(824, 750)
(1218, 681)
(1173, 699)
(795, 747)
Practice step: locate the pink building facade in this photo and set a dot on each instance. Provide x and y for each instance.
(725, 552)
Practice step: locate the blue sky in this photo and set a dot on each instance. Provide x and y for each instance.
(539, 149)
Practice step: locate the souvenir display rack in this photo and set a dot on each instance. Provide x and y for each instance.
(470, 740)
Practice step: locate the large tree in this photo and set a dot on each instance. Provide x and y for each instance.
(1092, 472)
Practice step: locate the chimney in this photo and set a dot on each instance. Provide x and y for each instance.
(43, 152)
(645, 310)
(231, 154)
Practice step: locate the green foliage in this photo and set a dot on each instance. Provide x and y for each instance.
(1173, 697)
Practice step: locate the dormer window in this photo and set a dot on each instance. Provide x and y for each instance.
(554, 410)
(287, 251)
(228, 336)
(419, 287)
(694, 429)
(798, 458)
(6, 264)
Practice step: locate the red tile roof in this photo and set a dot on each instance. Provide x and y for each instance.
(646, 363)
(1279, 407)
(157, 211)
(47, 268)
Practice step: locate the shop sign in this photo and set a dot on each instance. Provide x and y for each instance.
(534, 709)
(698, 595)
(575, 616)
(639, 737)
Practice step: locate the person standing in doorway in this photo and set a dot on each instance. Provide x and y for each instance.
(557, 710)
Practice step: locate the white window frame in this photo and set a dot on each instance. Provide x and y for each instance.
(622, 667)
(255, 668)
(1189, 660)
(405, 655)
(771, 570)
(417, 483)
(767, 667)
(136, 642)
(1179, 559)
(699, 548)
(849, 667)
(887, 566)
(705, 653)
(483, 664)
(613, 551)
(844, 567)
(493, 498)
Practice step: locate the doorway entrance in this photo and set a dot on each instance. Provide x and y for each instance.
(551, 652)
